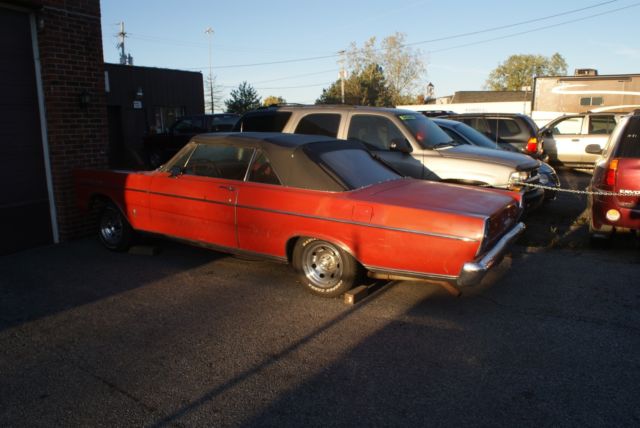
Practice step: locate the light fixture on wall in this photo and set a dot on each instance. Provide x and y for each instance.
(139, 93)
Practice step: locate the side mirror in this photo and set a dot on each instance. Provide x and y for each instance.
(593, 149)
(547, 132)
(400, 145)
(176, 171)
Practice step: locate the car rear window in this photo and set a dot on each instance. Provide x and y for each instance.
(319, 124)
(271, 121)
(630, 140)
(507, 128)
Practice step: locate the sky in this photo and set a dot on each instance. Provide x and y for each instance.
(289, 48)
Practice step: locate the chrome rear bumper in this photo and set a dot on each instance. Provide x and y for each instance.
(473, 272)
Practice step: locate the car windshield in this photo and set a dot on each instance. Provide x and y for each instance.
(427, 134)
(354, 167)
(477, 137)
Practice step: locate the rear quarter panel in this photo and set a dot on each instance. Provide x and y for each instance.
(127, 190)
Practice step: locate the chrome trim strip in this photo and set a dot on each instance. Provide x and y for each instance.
(312, 217)
(417, 275)
(219, 248)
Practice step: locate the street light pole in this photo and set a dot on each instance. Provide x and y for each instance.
(209, 31)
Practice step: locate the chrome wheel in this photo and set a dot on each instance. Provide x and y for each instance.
(111, 227)
(322, 264)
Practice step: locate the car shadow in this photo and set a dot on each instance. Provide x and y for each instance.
(43, 281)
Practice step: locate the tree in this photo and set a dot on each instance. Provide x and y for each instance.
(368, 87)
(272, 100)
(210, 84)
(243, 99)
(518, 71)
(401, 65)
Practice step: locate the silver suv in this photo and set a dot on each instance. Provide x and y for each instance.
(408, 141)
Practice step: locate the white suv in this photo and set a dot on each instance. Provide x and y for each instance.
(566, 137)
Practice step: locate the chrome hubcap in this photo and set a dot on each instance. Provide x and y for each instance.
(111, 227)
(322, 264)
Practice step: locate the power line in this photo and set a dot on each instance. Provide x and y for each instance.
(502, 27)
(535, 29)
(454, 36)
(298, 87)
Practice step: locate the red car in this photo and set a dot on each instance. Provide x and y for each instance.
(617, 171)
(326, 206)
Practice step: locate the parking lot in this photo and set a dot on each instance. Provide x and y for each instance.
(193, 337)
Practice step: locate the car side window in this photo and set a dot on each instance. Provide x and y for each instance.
(262, 171)
(568, 126)
(319, 124)
(220, 161)
(376, 132)
(629, 146)
(189, 126)
(454, 136)
(267, 121)
(601, 124)
(507, 128)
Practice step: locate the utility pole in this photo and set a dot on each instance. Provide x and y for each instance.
(342, 73)
(122, 35)
(209, 31)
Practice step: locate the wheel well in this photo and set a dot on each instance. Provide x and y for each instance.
(291, 244)
(98, 201)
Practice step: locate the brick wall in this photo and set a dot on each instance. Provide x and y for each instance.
(70, 44)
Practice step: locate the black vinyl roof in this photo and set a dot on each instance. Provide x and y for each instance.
(293, 156)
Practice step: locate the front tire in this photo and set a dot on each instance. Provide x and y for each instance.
(114, 230)
(324, 268)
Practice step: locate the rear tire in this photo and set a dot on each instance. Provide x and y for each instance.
(114, 230)
(325, 269)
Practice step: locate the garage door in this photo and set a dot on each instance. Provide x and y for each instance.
(24, 206)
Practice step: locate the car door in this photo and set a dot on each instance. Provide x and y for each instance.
(197, 200)
(563, 140)
(380, 134)
(599, 127)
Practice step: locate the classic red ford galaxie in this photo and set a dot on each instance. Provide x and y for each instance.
(326, 206)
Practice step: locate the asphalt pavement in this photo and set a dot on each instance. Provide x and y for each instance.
(190, 337)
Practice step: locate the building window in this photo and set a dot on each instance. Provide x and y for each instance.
(591, 101)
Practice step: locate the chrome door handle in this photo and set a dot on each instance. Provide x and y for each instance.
(229, 188)
(575, 139)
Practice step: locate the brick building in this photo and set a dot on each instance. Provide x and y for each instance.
(53, 116)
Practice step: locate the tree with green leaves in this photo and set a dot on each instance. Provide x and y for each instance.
(518, 71)
(242, 99)
(401, 65)
(273, 100)
(368, 87)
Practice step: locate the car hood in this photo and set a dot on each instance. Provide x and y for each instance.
(444, 197)
(517, 161)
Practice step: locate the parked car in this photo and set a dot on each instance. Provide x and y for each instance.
(464, 134)
(408, 141)
(617, 170)
(326, 206)
(566, 138)
(517, 130)
(160, 147)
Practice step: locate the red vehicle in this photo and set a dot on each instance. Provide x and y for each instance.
(617, 171)
(326, 206)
